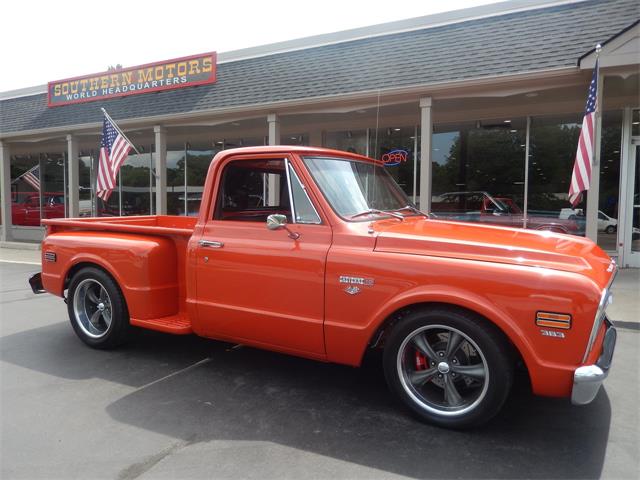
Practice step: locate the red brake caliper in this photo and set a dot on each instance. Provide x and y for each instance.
(421, 361)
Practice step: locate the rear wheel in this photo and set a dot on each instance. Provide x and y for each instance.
(97, 309)
(449, 366)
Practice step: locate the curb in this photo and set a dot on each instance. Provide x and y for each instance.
(20, 246)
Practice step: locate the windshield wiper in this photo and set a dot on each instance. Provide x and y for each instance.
(378, 212)
(413, 209)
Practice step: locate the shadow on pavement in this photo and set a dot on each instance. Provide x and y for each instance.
(331, 410)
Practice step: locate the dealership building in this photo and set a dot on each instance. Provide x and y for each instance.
(469, 109)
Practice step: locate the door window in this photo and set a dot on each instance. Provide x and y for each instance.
(251, 190)
(302, 206)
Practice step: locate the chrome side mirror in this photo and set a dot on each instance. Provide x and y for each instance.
(278, 221)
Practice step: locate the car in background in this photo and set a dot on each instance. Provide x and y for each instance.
(25, 208)
(606, 223)
(480, 206)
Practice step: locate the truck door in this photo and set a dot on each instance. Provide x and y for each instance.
(261, 286)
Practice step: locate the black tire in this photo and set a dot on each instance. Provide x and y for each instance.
(459, 389)
(610, 229)
(97, 309)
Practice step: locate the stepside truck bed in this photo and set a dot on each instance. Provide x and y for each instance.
(145, 255)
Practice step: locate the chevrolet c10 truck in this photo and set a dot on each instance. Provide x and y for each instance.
(318, 253)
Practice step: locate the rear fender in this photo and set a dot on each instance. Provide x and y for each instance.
(144, 267)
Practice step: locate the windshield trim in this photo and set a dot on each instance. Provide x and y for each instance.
(366, 160)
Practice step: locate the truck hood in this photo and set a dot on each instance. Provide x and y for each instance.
(493, 244)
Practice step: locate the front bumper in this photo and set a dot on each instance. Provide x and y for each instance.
(588, 378)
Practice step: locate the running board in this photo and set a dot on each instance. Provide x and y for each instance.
(176, 324)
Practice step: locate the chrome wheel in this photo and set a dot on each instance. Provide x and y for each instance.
(92, 308)
(442, 370)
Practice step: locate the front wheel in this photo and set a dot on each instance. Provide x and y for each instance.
(450, 367)
(610, 229)
(97, 309)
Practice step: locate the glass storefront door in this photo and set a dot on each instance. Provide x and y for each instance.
(632, 232)
(629, 231)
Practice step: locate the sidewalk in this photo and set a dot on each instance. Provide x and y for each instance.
(20, 252)
(626, 288)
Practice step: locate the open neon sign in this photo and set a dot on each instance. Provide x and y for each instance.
(394, 157)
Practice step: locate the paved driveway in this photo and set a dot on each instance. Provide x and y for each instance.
(184, 407)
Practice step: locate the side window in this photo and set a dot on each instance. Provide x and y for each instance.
(251, 190)
(303, 209)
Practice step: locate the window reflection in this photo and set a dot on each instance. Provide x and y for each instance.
(396, 146)
(553, 143)
(353, 141)
(478, 171)
(38, 188)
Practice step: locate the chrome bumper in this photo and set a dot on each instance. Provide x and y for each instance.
(588, 378)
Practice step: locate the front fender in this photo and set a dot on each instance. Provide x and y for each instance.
(341, 338)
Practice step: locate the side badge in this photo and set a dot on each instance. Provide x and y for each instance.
(551, 333)
(354, 283)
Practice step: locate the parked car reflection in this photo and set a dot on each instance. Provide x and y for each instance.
(480, 206)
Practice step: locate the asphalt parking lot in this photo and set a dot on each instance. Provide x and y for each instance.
(184, 407)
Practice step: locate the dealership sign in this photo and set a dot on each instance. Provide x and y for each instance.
(152, 77)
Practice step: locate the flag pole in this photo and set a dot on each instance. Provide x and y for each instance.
(593, 195)
(597, 131)
(120, 131)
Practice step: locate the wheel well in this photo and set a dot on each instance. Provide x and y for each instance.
(79, 266)
(378, 339)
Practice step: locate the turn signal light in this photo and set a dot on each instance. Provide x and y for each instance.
(553, 320)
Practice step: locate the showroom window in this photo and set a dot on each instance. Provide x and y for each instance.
(38, 188)
(478, 171)
(353, 141)
(610, 148)
(397, 147)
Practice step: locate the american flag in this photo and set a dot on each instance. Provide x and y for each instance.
(114, 149)
(32, 177)
(581, 176)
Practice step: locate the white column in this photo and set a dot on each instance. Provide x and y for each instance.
(593, 195)
(161, 169)
(73, 170)
(426, 129)
(5, 201)
(274, 129)
(625, 197)
(273, 181)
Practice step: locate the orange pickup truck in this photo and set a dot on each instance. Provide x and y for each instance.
(318, 253)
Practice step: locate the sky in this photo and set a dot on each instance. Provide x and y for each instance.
(44, 41)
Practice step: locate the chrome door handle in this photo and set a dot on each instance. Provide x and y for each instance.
(212, 244)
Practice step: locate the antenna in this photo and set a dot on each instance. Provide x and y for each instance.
(375, 150)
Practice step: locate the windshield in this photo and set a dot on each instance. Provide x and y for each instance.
(353, 187)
